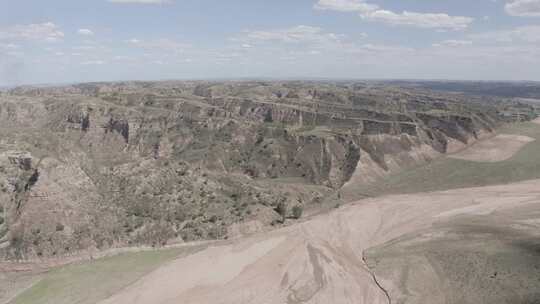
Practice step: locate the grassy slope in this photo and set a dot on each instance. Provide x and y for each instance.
(447, 173)
(91, 282)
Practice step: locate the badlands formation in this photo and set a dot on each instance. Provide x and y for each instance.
(267, 192)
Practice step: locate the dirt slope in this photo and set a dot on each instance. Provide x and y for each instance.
(495, 149)
(322, 260)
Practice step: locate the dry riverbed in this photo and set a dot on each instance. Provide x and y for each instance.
(323, 260)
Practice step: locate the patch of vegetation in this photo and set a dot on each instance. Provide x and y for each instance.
(297, 211)
(91, 282)
(59, 227)
(281, 209)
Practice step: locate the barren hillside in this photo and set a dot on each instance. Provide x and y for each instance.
(102, 165)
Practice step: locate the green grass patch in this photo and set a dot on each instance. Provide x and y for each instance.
(447, 173)
(319, 131)
(91, 282)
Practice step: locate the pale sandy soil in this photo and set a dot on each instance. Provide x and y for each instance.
(12, 283)
(320, 260)
(536, 121)
(16, 277)
(495, 149)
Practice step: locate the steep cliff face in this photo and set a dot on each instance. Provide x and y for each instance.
(104, 165)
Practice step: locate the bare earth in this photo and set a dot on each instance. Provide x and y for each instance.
(495, 149)
(323, 260)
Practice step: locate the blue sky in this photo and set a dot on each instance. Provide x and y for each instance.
(75, 41)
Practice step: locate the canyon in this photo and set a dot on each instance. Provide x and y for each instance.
(105, 165)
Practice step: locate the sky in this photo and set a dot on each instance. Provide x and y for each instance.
(67, 41)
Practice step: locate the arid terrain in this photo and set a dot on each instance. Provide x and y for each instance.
(500, 147)
(268, 192)
(478, 245)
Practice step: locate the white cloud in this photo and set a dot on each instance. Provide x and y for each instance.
(523, 8)
(297, 34)
(530, 34)
(380, 49)
(479, 54)
(47, 31)
(345, 6)
(133, 40)
(453, 43)
(93, 62)
(84, 47)
(15, 54)
(141, 1)
(298, 44)
(9, 46)
(422, 20)
(85, 32)
(163, 44)
(121, 58)
(373, 12)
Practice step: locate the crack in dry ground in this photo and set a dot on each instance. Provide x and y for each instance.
(379, 285)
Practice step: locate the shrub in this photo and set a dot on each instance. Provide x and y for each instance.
(59, 227)
(281, 209)
(297, 211)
